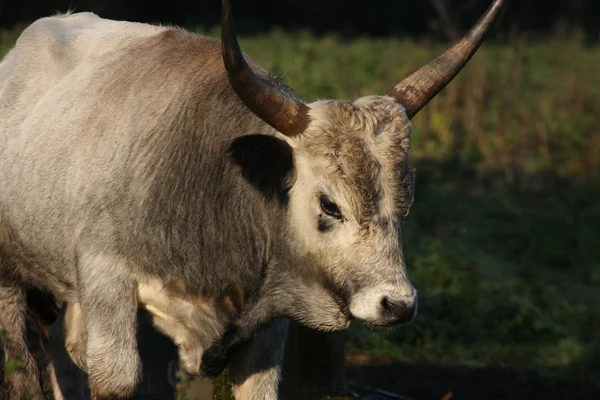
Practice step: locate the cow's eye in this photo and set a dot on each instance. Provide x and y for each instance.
(330, 208)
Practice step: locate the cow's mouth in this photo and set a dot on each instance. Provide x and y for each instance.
(380, 326)
(372, 324)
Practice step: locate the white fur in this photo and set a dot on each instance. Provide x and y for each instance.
(376, 258)
(191, 325)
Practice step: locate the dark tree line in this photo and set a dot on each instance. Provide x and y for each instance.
(375, 17)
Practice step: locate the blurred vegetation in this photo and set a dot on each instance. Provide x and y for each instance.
(502, 238)
(222, 388)
(502, 241)
(377, 18)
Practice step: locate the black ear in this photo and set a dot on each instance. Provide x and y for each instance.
(266, 162)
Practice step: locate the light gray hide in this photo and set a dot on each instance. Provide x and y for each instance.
(158, 354)
(119, 191)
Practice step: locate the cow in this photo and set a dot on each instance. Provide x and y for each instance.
(148, 167)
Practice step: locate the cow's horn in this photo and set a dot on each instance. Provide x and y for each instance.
(283, 112)
(422, 85)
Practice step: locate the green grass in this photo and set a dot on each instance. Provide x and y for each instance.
(502, 241)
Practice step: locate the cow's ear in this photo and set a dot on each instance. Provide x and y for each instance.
(266, 162)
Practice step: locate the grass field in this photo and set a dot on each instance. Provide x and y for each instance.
(503, 239)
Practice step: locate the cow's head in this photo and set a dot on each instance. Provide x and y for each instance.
(352, 182)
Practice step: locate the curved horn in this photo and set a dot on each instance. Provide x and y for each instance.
(284, 113)
(422, 85)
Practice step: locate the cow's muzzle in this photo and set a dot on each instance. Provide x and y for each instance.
(385, 307)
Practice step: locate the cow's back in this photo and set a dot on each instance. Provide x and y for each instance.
(51, 48)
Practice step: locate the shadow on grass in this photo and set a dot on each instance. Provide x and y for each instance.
(507, 270)
(508, 273)
(432, 382)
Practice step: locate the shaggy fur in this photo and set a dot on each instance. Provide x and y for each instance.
(132, 176)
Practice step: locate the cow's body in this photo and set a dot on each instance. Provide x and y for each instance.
(114, 168)
(147, 166)
(127, 117)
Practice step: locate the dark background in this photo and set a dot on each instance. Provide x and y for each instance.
(375, 17)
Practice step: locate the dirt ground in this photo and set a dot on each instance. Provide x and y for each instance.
(432, 382)
(429, 382)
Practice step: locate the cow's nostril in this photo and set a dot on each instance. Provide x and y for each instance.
(400, 310)
(385, 303)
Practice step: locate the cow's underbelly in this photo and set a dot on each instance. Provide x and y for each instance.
(190, 321)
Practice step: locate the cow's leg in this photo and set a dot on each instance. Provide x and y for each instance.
(67, 348)
(108, 299)
(74, 334)
(255, 372)
(23, 380)
(67, 353)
